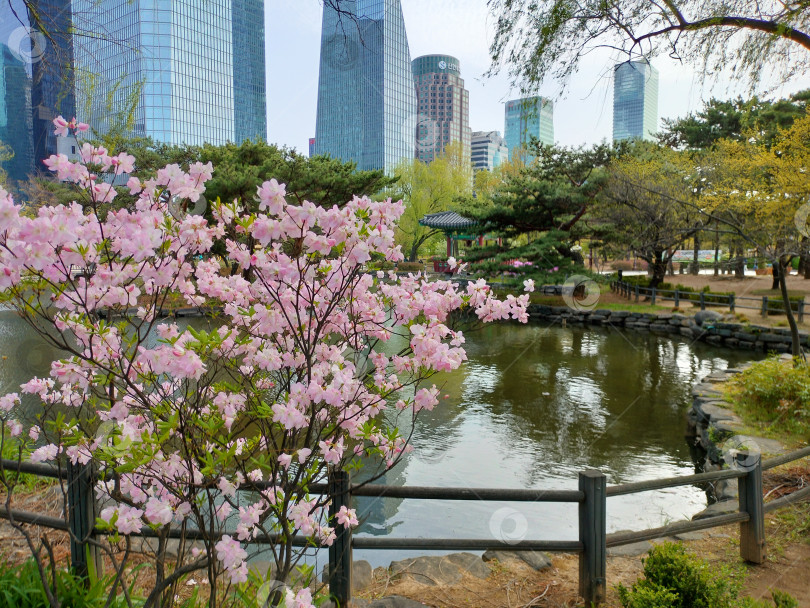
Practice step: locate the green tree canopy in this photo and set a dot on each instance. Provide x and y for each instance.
(553, 193)
(238, 171)
(734, 119)
(429, 188)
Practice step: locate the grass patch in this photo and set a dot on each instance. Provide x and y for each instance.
(774, 394)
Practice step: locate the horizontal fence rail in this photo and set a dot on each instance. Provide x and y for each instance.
(764, 304)
(591, 498)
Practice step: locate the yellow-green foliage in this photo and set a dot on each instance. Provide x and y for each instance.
(774, 391)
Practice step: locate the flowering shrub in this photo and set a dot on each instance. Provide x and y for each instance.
(190, 428)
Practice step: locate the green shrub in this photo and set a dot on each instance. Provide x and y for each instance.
(774, 391)
(673, 578)
(21, 587)
(647, 597)
(780, 600)
(410, 267)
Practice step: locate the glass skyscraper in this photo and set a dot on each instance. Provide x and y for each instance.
(47, 61)
(444, 106)
(635, 101)
(367, 109)
(526, 118)
(16, 139)
(488, 150)
(179, 71)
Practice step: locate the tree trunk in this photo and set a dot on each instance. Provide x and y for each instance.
(695, 269)
(658, 269)
(716, 251)
(796, 348)
(740, 263)
(777, 272)
(414, 252)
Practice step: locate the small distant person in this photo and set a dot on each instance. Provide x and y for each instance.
(755, 266)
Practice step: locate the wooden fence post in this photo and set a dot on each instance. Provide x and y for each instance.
(340, 552)
(764, 306)
(677, 298)
(801, 311)
(652, 302)
(592, 533)
(82, 520)
(731, 302)
(702, 301)
(752, 532)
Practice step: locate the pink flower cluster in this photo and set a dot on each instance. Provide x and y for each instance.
(287, 386)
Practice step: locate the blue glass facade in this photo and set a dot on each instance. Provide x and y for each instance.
(635, 101)
(17, 150)
(179, 71)
(48, 63)
(526, 118)
(367, 109)
(488, 150)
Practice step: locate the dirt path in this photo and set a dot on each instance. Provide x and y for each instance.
(788, 572)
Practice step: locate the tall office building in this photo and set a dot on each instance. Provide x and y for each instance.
(182, 71)
(47, 62)
(488, 150)
(526, 118)
(635, 101)
(16, 130)
(444, 106)
(366, 95)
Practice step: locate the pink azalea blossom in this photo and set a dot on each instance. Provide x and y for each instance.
(347, 517)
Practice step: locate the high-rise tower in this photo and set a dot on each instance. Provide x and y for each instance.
(16, 151)
(366, 95)
(181, 71)
(48, 64)
(444, 106)
(526, 118)
(635, 100)
(488, 150)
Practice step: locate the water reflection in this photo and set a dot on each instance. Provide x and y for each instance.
(533, 406)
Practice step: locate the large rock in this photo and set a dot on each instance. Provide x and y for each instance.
(718, 508)
(362, 574)
(469, 563)
(536, 559)
(631, 550)
(440, 569)
(707, 315)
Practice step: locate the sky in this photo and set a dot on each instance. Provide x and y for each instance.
(463, 29)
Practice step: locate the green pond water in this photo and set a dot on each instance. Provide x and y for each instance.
(534, 405)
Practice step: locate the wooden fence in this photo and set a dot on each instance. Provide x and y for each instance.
(764, 304)
(590, 498)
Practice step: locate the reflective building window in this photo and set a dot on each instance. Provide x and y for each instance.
(367, 111)
(635, 101)
(181, 72)
(526, 118)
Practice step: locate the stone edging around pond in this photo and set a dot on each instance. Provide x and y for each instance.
(717, 430)
(707, 325)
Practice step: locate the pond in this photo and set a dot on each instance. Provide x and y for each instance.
(532, 407)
